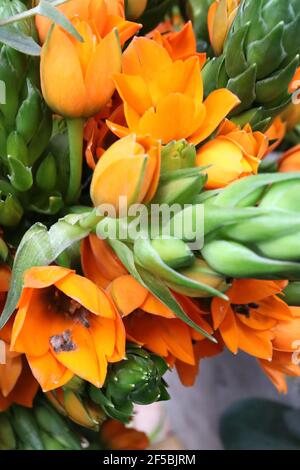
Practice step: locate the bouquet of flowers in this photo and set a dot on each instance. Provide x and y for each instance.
(146, 220)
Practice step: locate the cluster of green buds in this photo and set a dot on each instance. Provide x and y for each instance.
(136, 380)
(29, 173)
(266, 245)
(40, 428)
(261, 55)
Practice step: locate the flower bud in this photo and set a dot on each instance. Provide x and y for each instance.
(129, 168)
(177, 155)
(135, 8)
(175, 253)
(201, 272)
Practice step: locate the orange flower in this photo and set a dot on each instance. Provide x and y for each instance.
(286, 357)
(66, 325)
(221, 15)
(180, 44)
(108, 14)
(149, 323)
(276, 133)
(99, 263)
(116, 436)
(17, 384)
(290, 161)
(246, 321)
(98, 135)
(76, 76)
(129, 168)
(291, 115)
(232, 154)
(164, 98)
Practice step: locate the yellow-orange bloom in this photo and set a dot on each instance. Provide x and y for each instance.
(66, 325)
(76, 76)
(116, 436)
(290, 161)
(104, 15)
(129, 168)
(286, 356)
(221, 15)
(180, 44)
(232, 154)
(246, 321)
(164, 98)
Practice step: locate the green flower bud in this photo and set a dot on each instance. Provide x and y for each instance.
(291, 294)
(138, 379)
(20, 175)
(17, 148)
(7, 436)
(29, 114)
(11, 211)
(177, 155)
(175, 253)
(46, 176)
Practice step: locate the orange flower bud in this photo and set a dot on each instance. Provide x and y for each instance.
(290, 161)
(77, 76)
(220, 18)
(129, 168)
(135, 8)
(234, 153)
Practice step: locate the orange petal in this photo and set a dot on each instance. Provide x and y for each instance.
(128, 294)
(218, 105)
(87, 294)
(245, 291)
(61, 75)
(134, 91)
(44, 276)
(143, 56)
(257, 344)
(49, 373)
(155, 307)
(175, 117)
(90, 267)
(106, 61)
(32, 326)
(82, 361)
(26, 387)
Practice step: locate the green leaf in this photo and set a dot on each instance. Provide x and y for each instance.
(45, 8)
(19, 41)
(155, 286)
(20, 175)
(258, 424)
(11, 211)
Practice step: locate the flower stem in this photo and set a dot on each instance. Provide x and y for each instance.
(75, 131)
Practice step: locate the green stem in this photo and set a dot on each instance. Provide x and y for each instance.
(75, 131)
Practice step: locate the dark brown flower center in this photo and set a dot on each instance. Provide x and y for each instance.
(63, 304)
(244, 309)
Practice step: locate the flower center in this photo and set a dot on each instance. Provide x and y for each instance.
(244, 309)
(63, 304)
